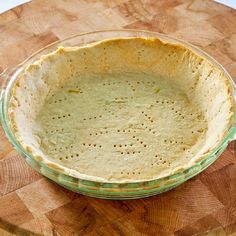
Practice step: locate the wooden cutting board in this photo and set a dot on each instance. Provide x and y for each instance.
(32, 205)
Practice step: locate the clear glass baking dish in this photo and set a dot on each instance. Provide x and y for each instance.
(101, 189)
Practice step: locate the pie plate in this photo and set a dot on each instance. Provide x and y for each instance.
(127, 184)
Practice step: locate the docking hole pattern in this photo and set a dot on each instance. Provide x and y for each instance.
(119, 117)
(127, 109)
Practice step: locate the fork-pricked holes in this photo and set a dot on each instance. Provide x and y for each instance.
(57, 130)
(118, 146)
(181, 144)
(97, 133)
(150, 130)
(60, 117)
(111, 83)
(130, 173)
(69, 156)
(148, 117)
(94, 145)
(159, 162)
(59, 100)
(139, 141)
(122, 99)
(92, 118)
(128, 152)
(165, 101)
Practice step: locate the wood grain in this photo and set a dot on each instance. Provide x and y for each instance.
(33, 205)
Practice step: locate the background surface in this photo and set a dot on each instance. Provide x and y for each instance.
(6, 5)
(31, 205)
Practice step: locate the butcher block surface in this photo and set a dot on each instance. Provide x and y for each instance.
(33, 205)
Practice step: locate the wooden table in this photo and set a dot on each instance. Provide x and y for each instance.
(32, 205)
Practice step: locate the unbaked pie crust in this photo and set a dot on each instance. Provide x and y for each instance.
(121, 110)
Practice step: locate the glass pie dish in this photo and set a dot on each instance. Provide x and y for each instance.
(102, 189)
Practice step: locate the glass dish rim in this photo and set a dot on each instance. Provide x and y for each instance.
(229, 136)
